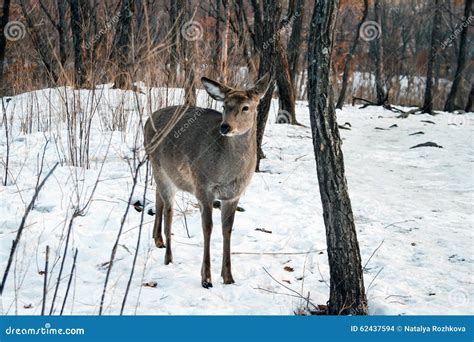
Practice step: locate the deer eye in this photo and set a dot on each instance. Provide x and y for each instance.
(245, 108)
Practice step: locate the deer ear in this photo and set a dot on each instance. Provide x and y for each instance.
(262, 85)
(215, 89)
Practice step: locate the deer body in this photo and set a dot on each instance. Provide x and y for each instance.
(209, 154)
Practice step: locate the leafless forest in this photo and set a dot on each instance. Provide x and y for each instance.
(173, 43)
(79, 79)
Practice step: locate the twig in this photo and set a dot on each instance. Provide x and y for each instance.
(69, 282)
(274, 292)
(137, 246)
(45, 282)
(63, 259)
(288, 288)
(114, 248)
(23, 221)
(373, 253)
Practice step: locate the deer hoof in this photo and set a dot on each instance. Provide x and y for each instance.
(168, 259)
(206, 284)
(159, 243)
(229, 280)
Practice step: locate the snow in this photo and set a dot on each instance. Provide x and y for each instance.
(413, 210)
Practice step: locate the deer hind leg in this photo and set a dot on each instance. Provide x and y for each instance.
(227, 216)
(206, 218)
(166, 192)
(158, 222)
(168, 218)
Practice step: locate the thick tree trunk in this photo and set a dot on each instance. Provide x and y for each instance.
(428, 101)
(267, 49)
(218, 42)
(350, 55)
(294, 44)
(378, 54)
(347, 294)
(470, 99)
(120, 54)
(3, 42)
(176, 23)
(40, 42)
(286, 90)
(62, 32)
(187, 54)
(225, 41)
(462, 58)
(77, 39)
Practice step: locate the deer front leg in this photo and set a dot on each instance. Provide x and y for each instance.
(206, 218)
(158, 222)
(227, 216)
(168, 220)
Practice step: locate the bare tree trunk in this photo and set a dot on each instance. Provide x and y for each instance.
(176, 23)
(62, 31)
(286, 90)
(218, 42)
(462, 56)
(470, 99)
(267, 49)
(187, 53)
(294, 44)
(350, 55)
(428, 102)
(3, 41)
(225, 41)
(377, 45)
(347, 294)
(121, 49)
(77, 40)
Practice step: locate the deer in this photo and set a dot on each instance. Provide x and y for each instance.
(211, 155)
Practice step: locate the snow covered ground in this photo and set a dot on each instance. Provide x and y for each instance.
(413, 211)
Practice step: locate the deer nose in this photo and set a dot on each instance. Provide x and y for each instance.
(225, 128)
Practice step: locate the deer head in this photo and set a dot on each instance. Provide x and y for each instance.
(240, 106)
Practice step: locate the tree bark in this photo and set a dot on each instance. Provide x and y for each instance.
(428, 101)
(77, 40)
(377, 45)
(120, 54)
(462, 58)
(286, 90)
(40, 42)
(62, 32)
(470, 99)
(294, 44)
(347, 294)
(3, 42)
(350, 55)
(187, 54)
(225, 41)
(267, 49)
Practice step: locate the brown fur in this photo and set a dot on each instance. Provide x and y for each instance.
(195, 157)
